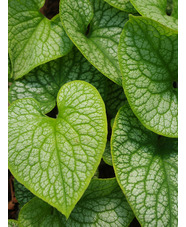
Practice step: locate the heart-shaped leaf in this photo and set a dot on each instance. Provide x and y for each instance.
(148, 55)
(124, 5)
(103, 204)
(33, 39)
(12, 223)
(22, 194)
(56, 158)
(163, 11)
(146, 169)
(44, 82)
(95, 28)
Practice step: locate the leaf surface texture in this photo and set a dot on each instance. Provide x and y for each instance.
(33, 39)
(148, 55)
(158, 11)
(103, 204)
(95, 28)
(146, 168)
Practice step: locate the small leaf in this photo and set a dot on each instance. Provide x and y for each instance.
(146, 169)
(107, 158)
(33, 39)
(22, 194)
(12, 223)
(148, 55)
(124, 5)
(103, 204)
(95, 29)
(44, 82)
(157, 10)
(56, 158)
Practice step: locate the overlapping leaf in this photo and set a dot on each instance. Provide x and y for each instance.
(124, 5)
(107, 158)
(163, 11)
(33, 39)
(146, 169)
(22, 194)
(44, 82)
(95, 28)
(148, 55)
(56, 158)
(103, 204)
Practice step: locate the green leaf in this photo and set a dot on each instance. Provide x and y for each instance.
(9, 69)
(44, 82)
(115, 99)
(124, 5)
(158, 10)
(95, 28)
(56, 158)
(33, 39)
(103, 204)
(107, 158)
(22, 194)
(146, 169)
(148, 55)
(12, 223)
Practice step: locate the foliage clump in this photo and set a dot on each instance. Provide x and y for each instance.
(93, 116)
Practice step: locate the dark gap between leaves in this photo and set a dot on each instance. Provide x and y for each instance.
(105, 171)
(50, 8)
(53, 113)
(169, 7)
(109, 128)
(87, 31)
(135, 223)
(13, 205)
(175, 84)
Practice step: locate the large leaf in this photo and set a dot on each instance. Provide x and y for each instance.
(56, 158)
(148, 55)
(146, 169)
(22, 194)
(44, 82)
(33, 39)
(158, 10)
(95, 28)
(103, 204)
(124, 5)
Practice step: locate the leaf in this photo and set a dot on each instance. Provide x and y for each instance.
(157, 10)
(9, 69)
(12, 223)
(148, 56)
(95, 29)
(114, 99)
(22, 194)
(33, 39)
(44, 82)
(107, 158)
(56, 158)
(103, 204)
(146, 169)
(124, 5)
